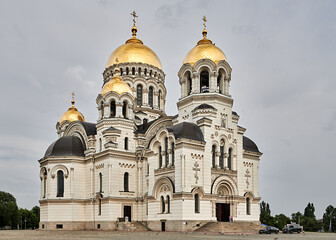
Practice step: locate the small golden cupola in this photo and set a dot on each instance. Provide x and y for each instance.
(204, 49)
(116, 84)
(72, 114)
(134, 51)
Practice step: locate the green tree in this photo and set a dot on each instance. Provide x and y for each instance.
(8, 210)
(296, 217)
(29, 218)
(265, 214)
(329, 217)
(281, 220)
(310, 211)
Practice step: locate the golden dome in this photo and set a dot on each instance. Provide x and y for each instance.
(134, 51)
(116, 84)
(72, 114)
(204, 49)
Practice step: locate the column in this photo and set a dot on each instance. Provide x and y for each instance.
(109, 178)
(119, 109)
(106, 110)
(145, 97)
(72, 182)
(217, 159)
(213, 81)
(226, 155)
(196, 83)
(226, 85)
(155, 100)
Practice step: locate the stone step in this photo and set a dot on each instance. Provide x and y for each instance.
(131, 226)
(230, 227)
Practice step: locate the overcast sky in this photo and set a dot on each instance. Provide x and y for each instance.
(283, 81)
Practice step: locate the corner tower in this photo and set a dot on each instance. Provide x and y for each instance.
(204, 78)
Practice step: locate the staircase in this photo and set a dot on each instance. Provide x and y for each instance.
(230, 227)
(132, 226)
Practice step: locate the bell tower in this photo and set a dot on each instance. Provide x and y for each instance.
(204, 79)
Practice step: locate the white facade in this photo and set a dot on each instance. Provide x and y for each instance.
(176, 172)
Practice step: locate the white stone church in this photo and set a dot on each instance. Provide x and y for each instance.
(136, 164)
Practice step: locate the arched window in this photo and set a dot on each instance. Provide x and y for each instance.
(160, 157)
(102, 109)
(204, 81)
(221, 157)
(99, 206)
(139, 95)
(248, 212)
(166, 152)
(121, 71)
(126, 175)
(133, 70)
(113, 108)
(163, 207)
(126, 143)
(145, 72)
(168, 204)
(100, 182)
(151, 73)
(150, 96)
(197, 210)
(124, 109)
(159, 99)
(213, 156)
(219, 78)
(100, 145)
(44, 182)
(127, 71)
(188, 82)
(139, 71)
(230, 159)
(60, 183)
(173, 154)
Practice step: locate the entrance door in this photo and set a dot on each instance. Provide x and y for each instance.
(128, 212)
(163, 226)
(223, 212)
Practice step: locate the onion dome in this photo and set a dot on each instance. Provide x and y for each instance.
(134, 51)
(204, 49)
(72, 114)
(66, 146)
(116, 84)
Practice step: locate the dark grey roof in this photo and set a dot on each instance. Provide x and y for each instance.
(143, 127)
(234, 113)
(204, 106)
(66, 146)
(90, 128)
(141, 112)
(187, 130)
(249, 145)
(111, 129)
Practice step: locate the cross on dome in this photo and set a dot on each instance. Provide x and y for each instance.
(134, 16)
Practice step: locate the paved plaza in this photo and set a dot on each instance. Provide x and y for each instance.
(97, 235)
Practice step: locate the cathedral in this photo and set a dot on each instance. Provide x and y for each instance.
(138, 165)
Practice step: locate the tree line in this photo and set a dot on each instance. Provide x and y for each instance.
(307, 219)
(13, 217)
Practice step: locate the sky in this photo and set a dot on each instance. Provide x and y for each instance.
(283, 81)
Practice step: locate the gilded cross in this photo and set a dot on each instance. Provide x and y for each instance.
(117, 60)
(247, 175)
(134, 16)
(204, 21)
(73, 96)
(196, 169)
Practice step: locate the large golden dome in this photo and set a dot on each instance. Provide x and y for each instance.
(72, 114)
(134, 51)
(116, 84)
(204, 49)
